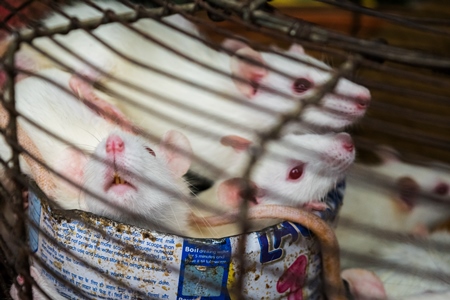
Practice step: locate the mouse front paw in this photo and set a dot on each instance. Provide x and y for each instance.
(315, 205)
(37, 295)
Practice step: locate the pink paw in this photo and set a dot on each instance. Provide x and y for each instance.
(20, 280)
(37, 295)
(315, 205)
(14, 291)
(364, 284)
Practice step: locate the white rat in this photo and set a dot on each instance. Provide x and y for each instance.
(139, 162)
(393, 196)
(347, 104)
(405, 271)
(213, 109)
(297, 171)
(67, 117)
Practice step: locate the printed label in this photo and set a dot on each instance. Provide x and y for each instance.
(272, 245)
(204, 269)
(281, 261)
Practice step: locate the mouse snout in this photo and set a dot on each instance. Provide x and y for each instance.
(114, 144)
(346, 140)
(362, 100)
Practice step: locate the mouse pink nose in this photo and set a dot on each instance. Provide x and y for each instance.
(348, 146)
(346, 140)
(114, 144)
(362, 100)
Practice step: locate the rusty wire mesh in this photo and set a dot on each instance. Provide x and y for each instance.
(417, 79)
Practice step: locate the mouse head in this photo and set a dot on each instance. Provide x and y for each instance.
(137, 176)
(421, 193)
(339, 109)
(296, 169)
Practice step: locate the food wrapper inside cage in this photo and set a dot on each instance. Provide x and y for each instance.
(129, 262)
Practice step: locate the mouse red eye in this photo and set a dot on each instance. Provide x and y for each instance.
(150, 151)
(296, 172)
(441, 189)
(301, 85)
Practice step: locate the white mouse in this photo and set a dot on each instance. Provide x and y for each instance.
(215, 112)
(67, 117)
(213, 108)
(394, 196)
(140, 183)
(406, 270)
(297, 171)
(337, 110)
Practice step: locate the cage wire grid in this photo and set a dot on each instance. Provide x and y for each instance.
(252, 15)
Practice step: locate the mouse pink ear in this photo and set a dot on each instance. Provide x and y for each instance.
(85, 92)
(387, 154)
(238, 143)
(233, 45)
(364, 284)
(296, 48)
(231, 190)
(177, 150)
(408, 191)
(248, 71)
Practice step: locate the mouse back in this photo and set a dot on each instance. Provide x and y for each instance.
(415, 268)
(70, 123)
(58, 111)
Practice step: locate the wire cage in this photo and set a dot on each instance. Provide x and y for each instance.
(209, 87)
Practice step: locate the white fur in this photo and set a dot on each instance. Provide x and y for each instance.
(65, 116)
(150, 205)
(429, 296)
(334, 111)
(371, 203)
(420, 259)
(247, 120)
(326, 162)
